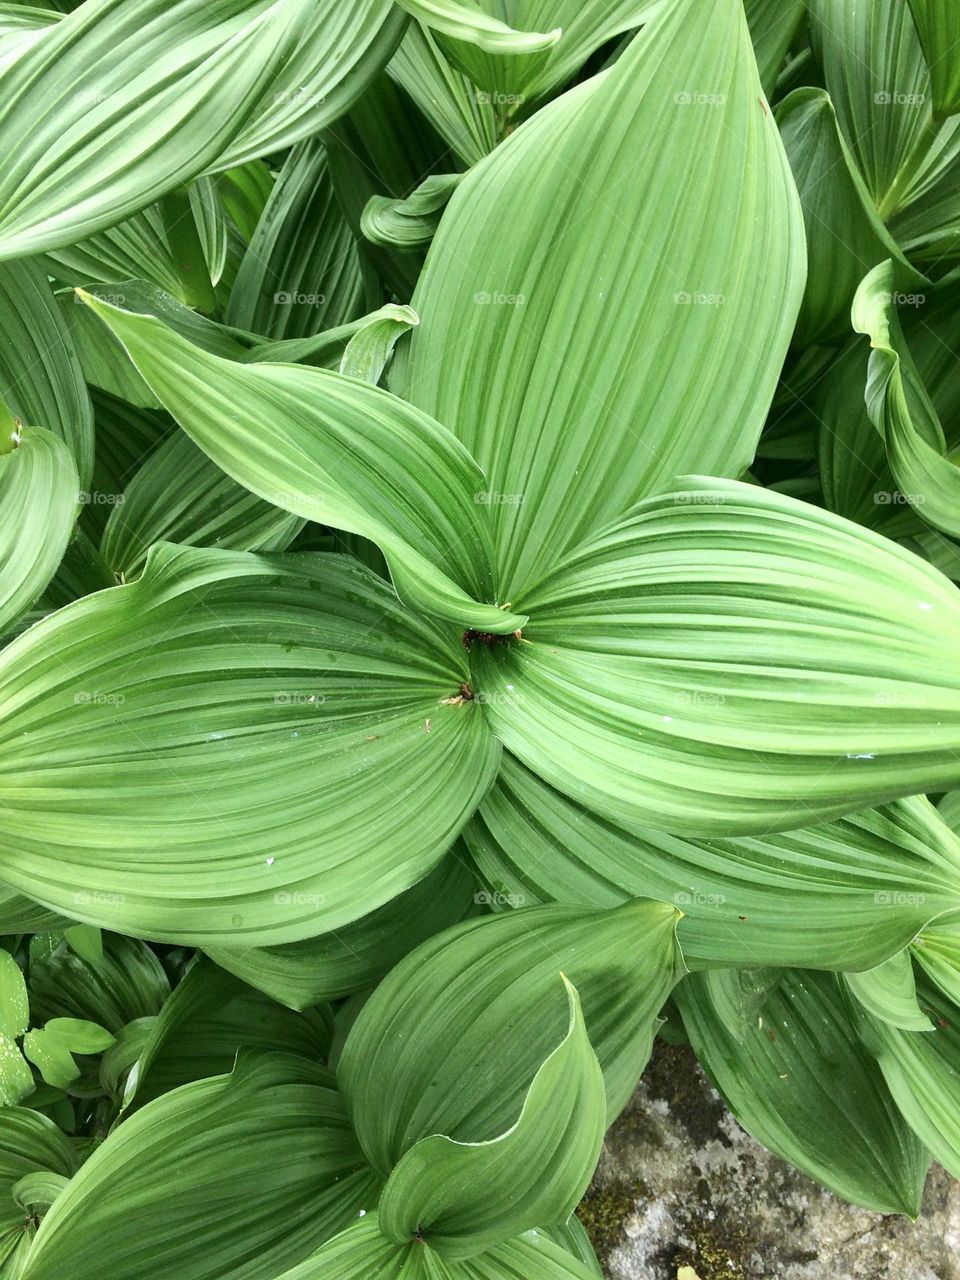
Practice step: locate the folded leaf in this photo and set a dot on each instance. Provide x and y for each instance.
(608, 344)
(728, 661)
(202, 755)
(461, 1198)
(491, 987)
(938, 25)
(889, 992)
(338, 451)
(902, 411)
(839, 895)
(39, 503)
(802, 1084)
(239, 1176)
(30, 1144)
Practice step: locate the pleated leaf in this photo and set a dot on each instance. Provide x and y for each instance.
(938, 25)
(802, 1084)
(462, 1198)
(729, 661)
(30, 1144)
(889, 992)
(206, 755)
(238, 1176)
(39, 504)
(615, 339)
(126, 982)
(773, 26)
(337, 451)
(841, 895)
(492, 990)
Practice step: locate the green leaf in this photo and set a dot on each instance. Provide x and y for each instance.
(301, 271)
(889, 992)
(51, 1048)
(466, 20)
(409, 224)
(573, 399)
(239, 1176)
(339, 452)
(20, 914)
(41, 379)
(181, 495)
(110, 108)
(875, 73)
(363, 1253)
(39, 502)
(30, 1144)
(938, 25)
(358, 955)
(209, 1018)
(284, 701)
(922, 1071)
(937, 951)
(127, 982)
(836, 896)
(901, 409)
(417, 1060)
(773, 26)
(14, 1002)
(845, 237)
(462, 1198)
(368, 352)
(728, 661)
(802, 1084)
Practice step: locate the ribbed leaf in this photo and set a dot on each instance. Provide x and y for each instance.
(902, 411)
(39, 504)
(181, 495)
(239, 1176)
(889, 992)
(29, 1144)
(938, 25)
(491, 987)
(200, 756)
(657, 181)
(802, 1084)
(339, 452)
(127, 982)
(842, 895)
(114, 105)
(773, 26)
(922, 1071)
(728, 661)
(462, 1198)
(358, 955)
(41, 380)
(363, 1253)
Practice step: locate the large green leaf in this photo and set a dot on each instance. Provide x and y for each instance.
(114, 105)
(842, 895)
(938, 25)
(39, 504)
(210, 754)
(358, 955)
(902, 411)
(41, 379)
(632, 324)
(728, 661)
(491, 988)
(238, 1176)
(363, 1253)
(29, 1144)
(773, 26)
(462, 1198)
(800, 1082)
(340, 452)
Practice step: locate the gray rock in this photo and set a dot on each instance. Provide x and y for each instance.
(681, 1184)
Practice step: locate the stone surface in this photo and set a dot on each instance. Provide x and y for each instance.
(681, 1185)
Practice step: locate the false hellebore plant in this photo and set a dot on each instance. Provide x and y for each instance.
(376, 765)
